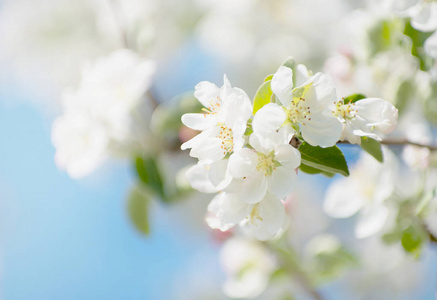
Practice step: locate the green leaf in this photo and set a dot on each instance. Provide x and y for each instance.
(310, 170)
(353, 98)
(373, 147)
(138, 209)
(405, 92)
(418, 39)
(149, 173)
(263, 96)
(430, 107)
(329, 160)
(383, 35)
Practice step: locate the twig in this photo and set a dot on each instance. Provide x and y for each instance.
(432, 237)
(153, 99)
(398, 142)
(120, 22)
(294, 269)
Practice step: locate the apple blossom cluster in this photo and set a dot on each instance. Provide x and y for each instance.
(244, 151)
(104, 116)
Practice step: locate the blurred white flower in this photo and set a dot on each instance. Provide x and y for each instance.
(415, 129)
(305, 99)
(197, 176)
(400, 6)
(248, 266)
(370, 183)
(81, 144)
(424, 16)
(109, 103)
(431, 45)
(423, 13)
(387, 272)
(372, 117)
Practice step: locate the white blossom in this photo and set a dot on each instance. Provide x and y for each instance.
(371, 117)
(431, 45)
(305, 99)
(81, 144)
(423, 13)
(364, 191)
(269, 167)
(263, 219)
(424, 16)
(223, 122)
(104, 116)
(248, 266)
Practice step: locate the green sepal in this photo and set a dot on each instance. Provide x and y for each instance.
(413, 238)
(353, 98)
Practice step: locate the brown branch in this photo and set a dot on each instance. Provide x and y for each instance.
(153, 99)
(117, 12)
(432, 237)
(398, 142)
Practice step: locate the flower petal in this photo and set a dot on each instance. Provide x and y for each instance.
(197, 176)
(206, 92)
(209, 151)
(212, 216)
(197, 121)
(282, 85)
(269, 118)
(264, 142)
(267, 219)
(233, 209)
(302, 75)
(342, 199)
(371, 220)
(243, 163)
(281, 181)
(378, 113)
(431, 45)
(288, 156)
(322, 130)
(219, 175)
(253, 188)
(426, 18)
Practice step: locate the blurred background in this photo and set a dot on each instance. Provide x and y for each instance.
(65, 238)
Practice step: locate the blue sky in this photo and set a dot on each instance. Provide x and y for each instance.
(66, 239)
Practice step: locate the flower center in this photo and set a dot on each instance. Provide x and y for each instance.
(267, 163)
(254, 215)
(298, 112)
(227, 138)
(344, 111)
(213, 107)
